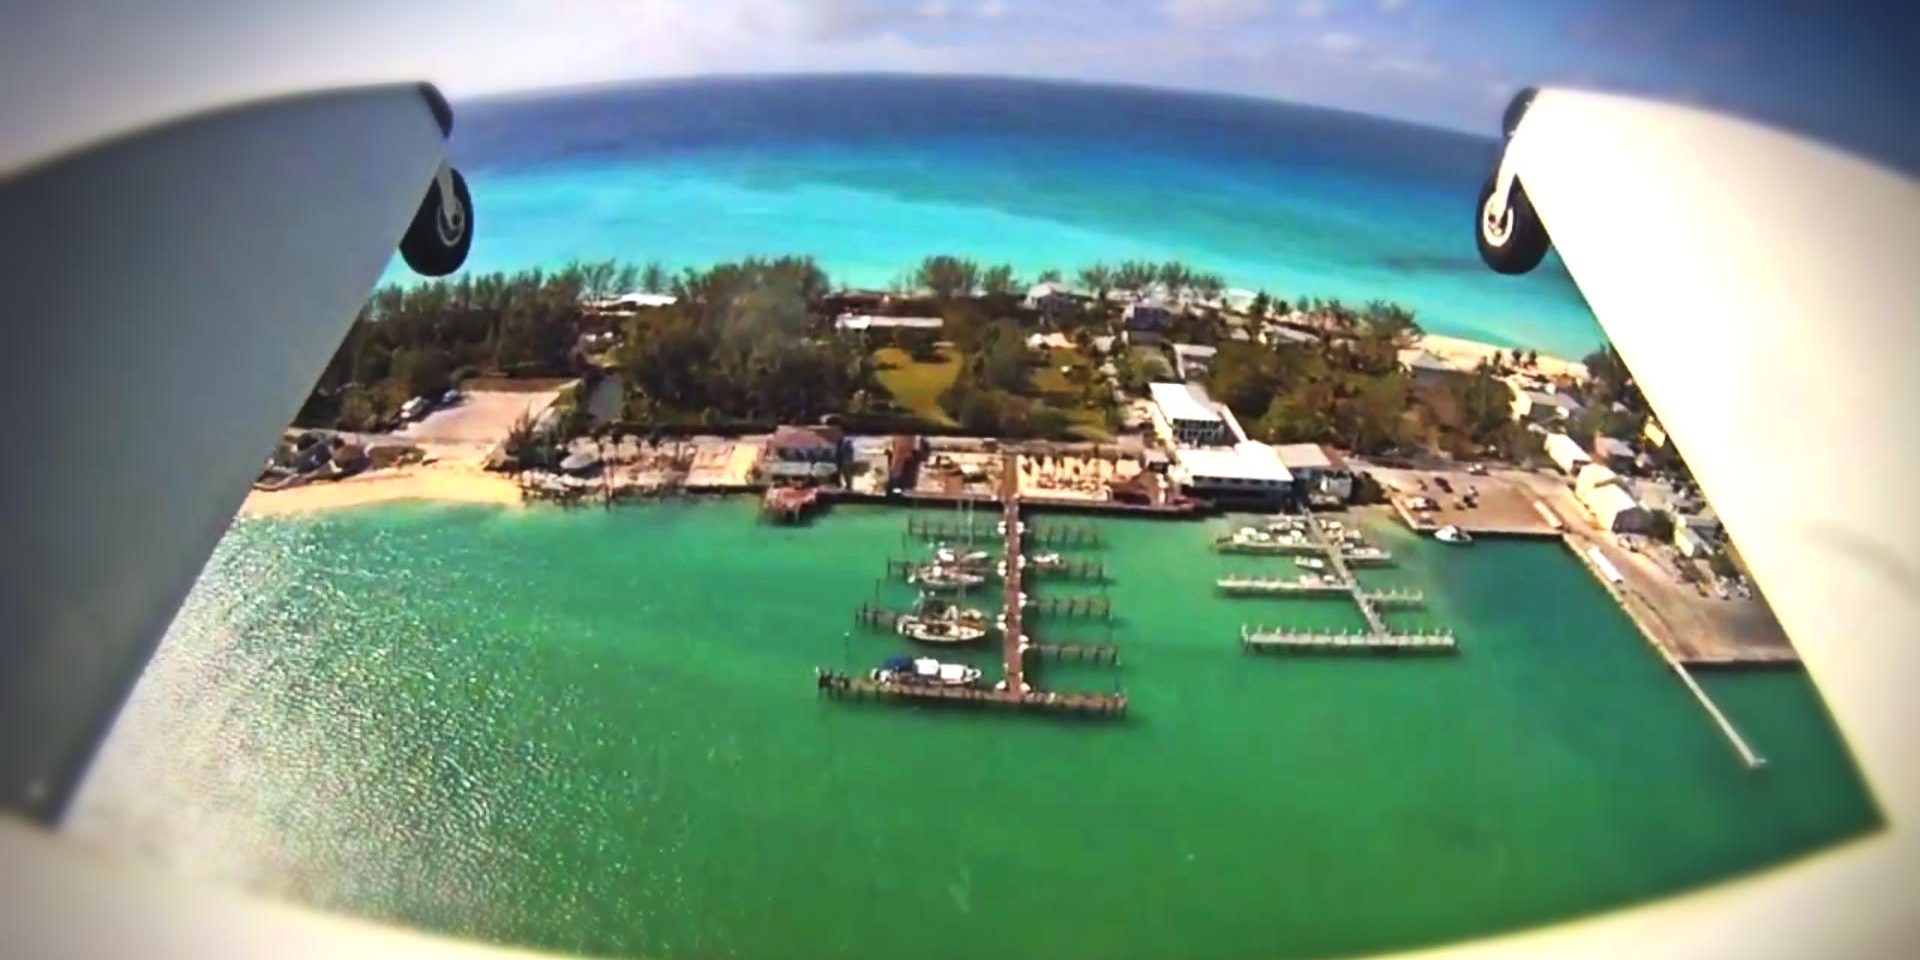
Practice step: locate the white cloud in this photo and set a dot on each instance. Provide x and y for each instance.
(1338, 44)
(1391, 6)
(991, 9)
(1211, 13)
(1311, 9)
(936, 9)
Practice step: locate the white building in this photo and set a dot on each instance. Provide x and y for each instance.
(1541, 406)
(1317, 472)
(1183, 415)
(1604, 495)
(1245, 471)
(862, 322)
(1566, 453)
(1048, 297)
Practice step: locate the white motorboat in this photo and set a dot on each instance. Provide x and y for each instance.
(930, 671)
(1452, 534)
(1311, 563)
(1047, 561)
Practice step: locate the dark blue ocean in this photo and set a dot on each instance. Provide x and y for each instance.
(868, 174)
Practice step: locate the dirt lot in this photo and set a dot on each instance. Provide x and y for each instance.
(482, 418)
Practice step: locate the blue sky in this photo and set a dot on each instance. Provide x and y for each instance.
(1841, 71)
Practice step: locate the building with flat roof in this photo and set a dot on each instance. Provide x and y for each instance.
(1247, 471)
(1319, 474)
(1184, 415)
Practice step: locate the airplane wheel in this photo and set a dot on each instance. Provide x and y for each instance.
(437, 241)
(1511, 240)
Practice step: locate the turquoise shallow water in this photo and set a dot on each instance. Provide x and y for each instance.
(871, 174)
(597, 732)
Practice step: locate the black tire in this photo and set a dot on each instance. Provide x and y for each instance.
(1523, 244)
(1516, 108)
(436, 245)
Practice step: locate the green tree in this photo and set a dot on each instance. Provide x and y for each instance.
(423, 371)
(1097, 279)
(1049, 275)
(653, 277)
(947, 276)
(997, 280)
(1135, 276)
(1391, 322)
(1262, 305)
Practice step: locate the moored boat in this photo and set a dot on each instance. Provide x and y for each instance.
(1452, 534)
(925, 671)
(932, 630)
(939, 577)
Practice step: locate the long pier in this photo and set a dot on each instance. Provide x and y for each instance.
(1091, 704)
(1013, 637)
(1013, 690)
(1299, 641)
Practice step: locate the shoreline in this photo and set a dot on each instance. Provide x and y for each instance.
(1460, 350)
(437, 483)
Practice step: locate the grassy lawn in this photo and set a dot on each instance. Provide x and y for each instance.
(918, 386)
(1059, 384)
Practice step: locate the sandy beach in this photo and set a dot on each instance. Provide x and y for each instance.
(1470, 352)
(451, 483)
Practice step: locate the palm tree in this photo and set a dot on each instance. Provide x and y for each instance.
(1097, 278)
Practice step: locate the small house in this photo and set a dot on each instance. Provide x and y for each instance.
(1144, 322)
(802, 454)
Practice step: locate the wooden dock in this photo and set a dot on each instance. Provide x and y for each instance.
(1013, 638)
(1090, 608)
(1279, 586)
(1070, 569)
(1301, 641)
(1278, 548)
(1087, 652)
(1013, 690)
(839, 685)
(1046, 535)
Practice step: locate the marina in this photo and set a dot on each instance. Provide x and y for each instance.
(961, 569)
(607, 740)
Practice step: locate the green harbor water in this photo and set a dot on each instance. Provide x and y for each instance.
(597, 732)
